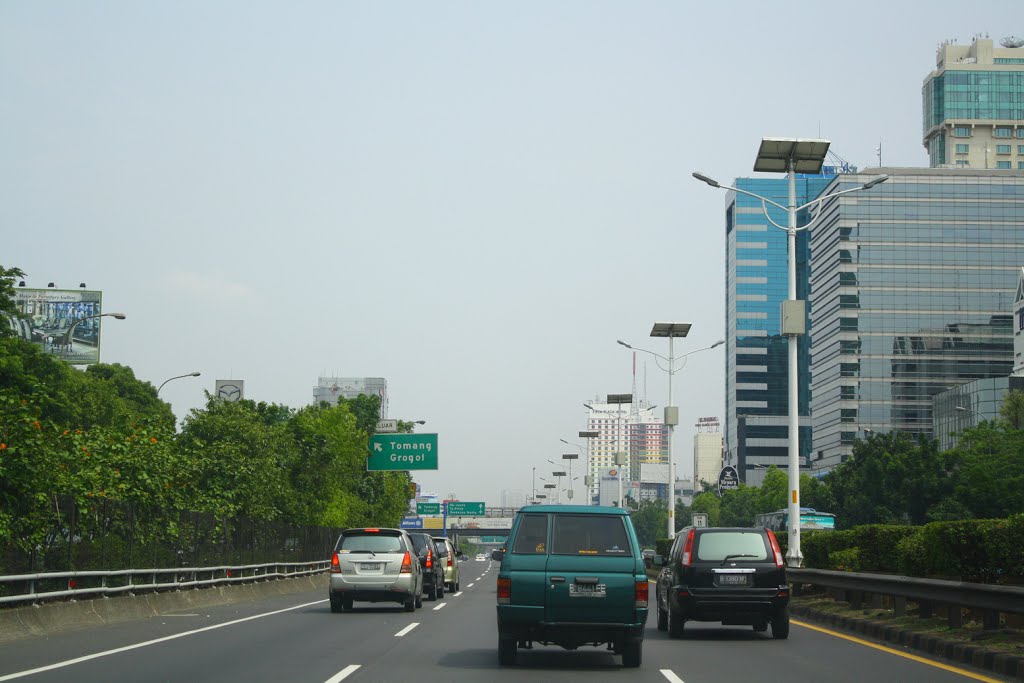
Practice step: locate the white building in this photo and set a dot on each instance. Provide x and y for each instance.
(330, 389)
(707, 457)
(637, 433)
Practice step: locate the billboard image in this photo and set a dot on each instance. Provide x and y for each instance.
(61, 322)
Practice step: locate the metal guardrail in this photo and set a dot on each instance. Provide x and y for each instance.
(179, 577)
(990, 599)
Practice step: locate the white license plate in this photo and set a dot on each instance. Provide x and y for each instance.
(371, 566)
(732, 579)
(587, 590)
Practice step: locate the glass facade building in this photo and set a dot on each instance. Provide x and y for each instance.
(973, 107)
(912, 288)
(757, 360)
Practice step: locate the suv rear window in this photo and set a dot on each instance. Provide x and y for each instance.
(370, 543)
(746, 545)
(590, 535)
(532, 537)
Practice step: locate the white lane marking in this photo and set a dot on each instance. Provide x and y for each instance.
(178, 615)
(407, 629)
(667, 673)
(470, 585)
(343, 674)
(440, 606)
(457, 594)
(126, 648)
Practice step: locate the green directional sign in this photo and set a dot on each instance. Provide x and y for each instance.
(428, 508)
(402, 452)
(458, 508)
(493, 539)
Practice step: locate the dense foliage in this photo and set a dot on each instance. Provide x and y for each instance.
(102, 434)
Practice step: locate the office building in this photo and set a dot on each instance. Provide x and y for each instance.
(757, 361)
(973, 106)
(912, 289)
(707, 457)
(330, 389)
(637, 433)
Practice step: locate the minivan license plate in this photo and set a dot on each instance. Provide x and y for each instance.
(587, 590)
(371, 566)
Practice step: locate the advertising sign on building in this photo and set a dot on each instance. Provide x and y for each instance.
(62, 322)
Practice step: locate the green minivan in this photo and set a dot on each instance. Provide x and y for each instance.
(572, 575)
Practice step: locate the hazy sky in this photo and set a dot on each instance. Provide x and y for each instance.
(473, 200)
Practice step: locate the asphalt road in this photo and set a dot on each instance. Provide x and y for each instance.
(297, 639)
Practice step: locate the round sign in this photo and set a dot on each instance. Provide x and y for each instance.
(613, 473)
(728, 479)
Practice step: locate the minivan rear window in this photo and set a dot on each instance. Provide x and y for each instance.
(370, 543)
(716, 546)
(590, 535)
(532, 537)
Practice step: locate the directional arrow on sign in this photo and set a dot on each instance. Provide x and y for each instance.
(377, 447)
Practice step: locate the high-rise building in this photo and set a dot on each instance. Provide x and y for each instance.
(757, 361)
(639, 434)
(330, 389)
(973, 105)
(912, 289)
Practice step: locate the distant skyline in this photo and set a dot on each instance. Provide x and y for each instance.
(473, 201)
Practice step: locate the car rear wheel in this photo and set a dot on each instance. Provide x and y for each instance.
(507, 651)
(440, 589)
(432, 592)
(410, 604)
(632, 653)
(336, 604)
(419, 600)
(780, 624)
(662, 619)
(676, 623)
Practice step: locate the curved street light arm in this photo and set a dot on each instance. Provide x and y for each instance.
(190, 374)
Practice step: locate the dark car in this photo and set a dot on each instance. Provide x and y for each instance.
(735, 576)
(433, 567)
(572, 575)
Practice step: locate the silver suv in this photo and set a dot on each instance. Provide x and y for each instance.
(375, 565)
(449, 560)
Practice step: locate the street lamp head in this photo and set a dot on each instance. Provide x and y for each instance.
(717, 343)
(194, 374)
(119, 316)
(874, 181)
(704, 179)
(619, 341)
(588, 406)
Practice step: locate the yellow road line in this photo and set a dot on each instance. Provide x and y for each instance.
(898, 653)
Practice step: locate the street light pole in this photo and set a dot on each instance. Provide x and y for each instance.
(191, 374)
(67, 339)
(792, 155)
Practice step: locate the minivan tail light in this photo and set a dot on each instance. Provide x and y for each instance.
(642, 589)
(504, 590)
(406, 564)
(776, 550)
(449, 559)
(335, 564)
(688, 550)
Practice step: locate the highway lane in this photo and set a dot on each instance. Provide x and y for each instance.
(297, 638)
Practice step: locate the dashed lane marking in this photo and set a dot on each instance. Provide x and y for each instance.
(343, 674)
(440, 606)
(667, 673)
(407, 629)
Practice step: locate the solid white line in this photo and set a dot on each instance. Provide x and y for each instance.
(343, 674)
(407, 629)
(470, 585)
(126, 648)
(440, 606)
(667, 673)
(457, 594)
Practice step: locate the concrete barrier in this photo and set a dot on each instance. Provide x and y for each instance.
(53, 617)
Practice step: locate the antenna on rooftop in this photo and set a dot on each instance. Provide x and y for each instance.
(1012, 41)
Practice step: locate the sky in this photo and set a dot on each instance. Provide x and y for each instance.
(472, 200)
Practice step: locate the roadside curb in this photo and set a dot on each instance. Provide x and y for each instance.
(958, 651)
(53, 617)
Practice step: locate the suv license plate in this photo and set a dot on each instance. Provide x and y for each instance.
(732, 579)
(371, 566)
(587, 590)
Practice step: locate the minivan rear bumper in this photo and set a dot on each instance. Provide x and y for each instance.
(571, 635)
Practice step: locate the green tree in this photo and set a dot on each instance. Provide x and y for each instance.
(711, 504)
(739, 506)
(1012, 410)
(650, 521)
(7, 305)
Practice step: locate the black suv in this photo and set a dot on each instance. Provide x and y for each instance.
(433, 567)
(729, 575)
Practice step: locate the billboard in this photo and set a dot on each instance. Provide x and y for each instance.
(61, 322)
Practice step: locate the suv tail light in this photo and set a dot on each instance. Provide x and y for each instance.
(504, 590)
(335, 564)
(688, 549)
(776, 550)
(642, 588)
(406, 564)
(430, 559)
